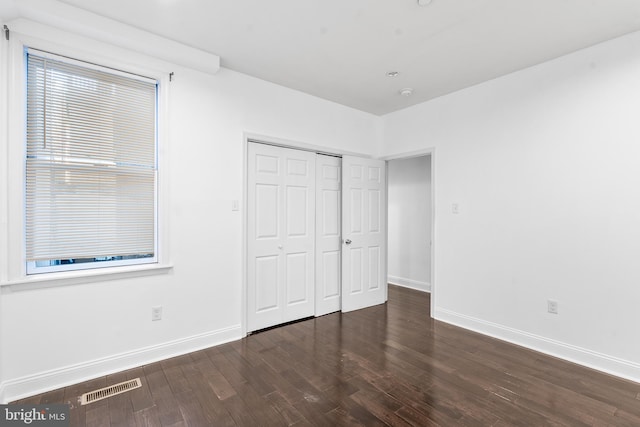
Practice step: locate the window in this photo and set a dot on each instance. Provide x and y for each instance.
(91, 166)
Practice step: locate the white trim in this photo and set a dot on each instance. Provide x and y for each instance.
(433, 231)
(410, 154)
(162, 174)
(71, 19)
(244, 312)
(50, 380)
(4, 178)
(33, 269)
(287, 143)
(4, 158)
(409, 283)
(385, 261)
(582, 356)
(16, 149)
(89, 65)
(66, 44)
(79, 277)
(419, 153)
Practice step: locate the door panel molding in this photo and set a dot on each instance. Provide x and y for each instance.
(328, 231)
(280, 267)
(364, 214)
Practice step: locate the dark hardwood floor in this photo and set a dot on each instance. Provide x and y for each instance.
(387, 365)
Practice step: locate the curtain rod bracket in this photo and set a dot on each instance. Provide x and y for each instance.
(6, 32)
(171, 76)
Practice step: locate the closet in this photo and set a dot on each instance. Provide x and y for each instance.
(316, 234)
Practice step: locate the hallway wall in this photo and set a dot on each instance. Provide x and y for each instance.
(409, 200)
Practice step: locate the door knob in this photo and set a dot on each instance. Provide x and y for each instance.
(347, 242)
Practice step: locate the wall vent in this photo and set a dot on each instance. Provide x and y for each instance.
(103, 393)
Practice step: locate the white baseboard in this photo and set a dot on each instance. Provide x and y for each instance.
(42, 382)
(409, 283)
(588, 358)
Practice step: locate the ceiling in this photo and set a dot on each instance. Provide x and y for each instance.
(341, 50)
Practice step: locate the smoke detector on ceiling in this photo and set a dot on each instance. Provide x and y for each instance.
(407, 91)
(424, 3)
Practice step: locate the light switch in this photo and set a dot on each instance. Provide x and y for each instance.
(235, 205)
(455, 209)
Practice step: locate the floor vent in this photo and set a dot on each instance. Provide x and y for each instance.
(103, 393)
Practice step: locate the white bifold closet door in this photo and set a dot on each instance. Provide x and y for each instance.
(281, 232)
(316, 234)
(328, 232)
(364, 209)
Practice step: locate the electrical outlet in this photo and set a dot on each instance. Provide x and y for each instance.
(552, 306)
(156, 313)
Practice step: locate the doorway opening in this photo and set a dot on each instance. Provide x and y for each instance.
(410, 227)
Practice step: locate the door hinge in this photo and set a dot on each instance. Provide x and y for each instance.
(6, 32)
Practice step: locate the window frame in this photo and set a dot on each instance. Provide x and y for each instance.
(12, 224)
(32, 266)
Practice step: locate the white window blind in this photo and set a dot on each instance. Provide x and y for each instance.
(90, 164)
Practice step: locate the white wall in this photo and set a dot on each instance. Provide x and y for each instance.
(409, 222)
(544, 166)
(53, 335)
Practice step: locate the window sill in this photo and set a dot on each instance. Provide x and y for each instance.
(67, 278)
